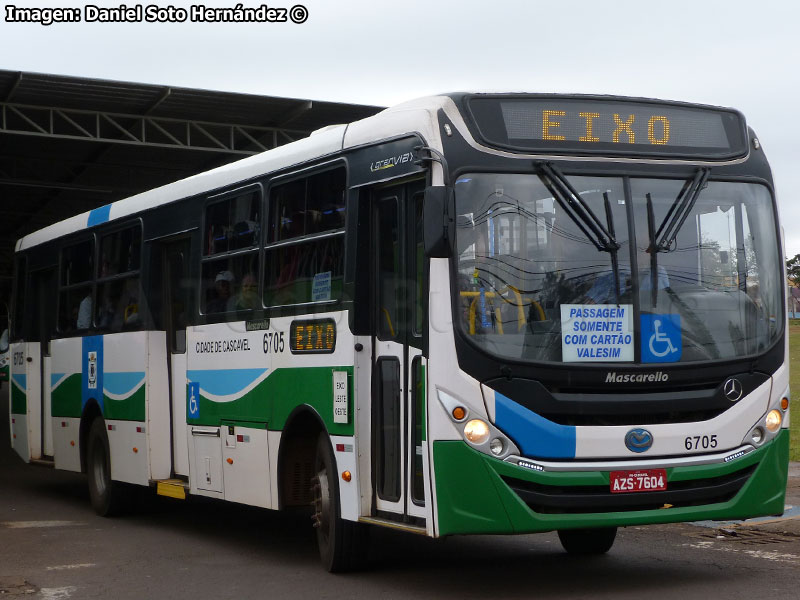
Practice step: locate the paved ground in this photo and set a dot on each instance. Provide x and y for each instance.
(52, 546)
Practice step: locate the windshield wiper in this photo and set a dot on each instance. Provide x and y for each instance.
(572, 203)
(570, 200)
(678, 213)
(652, 249)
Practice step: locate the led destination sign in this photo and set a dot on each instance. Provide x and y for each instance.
(610, 127)
(316, 336)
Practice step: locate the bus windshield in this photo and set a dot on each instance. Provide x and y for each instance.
(693, 274)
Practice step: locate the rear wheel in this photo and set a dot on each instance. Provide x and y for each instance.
(587, 541)
(106, 495)
(342, 544)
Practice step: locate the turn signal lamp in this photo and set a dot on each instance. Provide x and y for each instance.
(784, 404)
(347, 476)
(459, 413)
(476, 431)
(773, 421)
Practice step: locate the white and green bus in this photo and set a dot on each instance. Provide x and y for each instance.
(468, 314)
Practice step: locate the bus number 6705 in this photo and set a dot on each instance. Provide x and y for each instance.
(273, 342)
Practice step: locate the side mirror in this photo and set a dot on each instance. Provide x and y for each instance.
(438, 212)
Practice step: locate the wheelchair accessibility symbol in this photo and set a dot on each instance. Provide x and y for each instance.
(193, 400)
(661, 338)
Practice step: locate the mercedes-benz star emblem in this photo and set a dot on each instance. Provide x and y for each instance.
(732, 388)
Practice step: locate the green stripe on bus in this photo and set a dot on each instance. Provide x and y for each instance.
(129, 409)
(66, 398)
(274, 399)
(19, 401)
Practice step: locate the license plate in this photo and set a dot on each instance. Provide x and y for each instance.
(646, 480)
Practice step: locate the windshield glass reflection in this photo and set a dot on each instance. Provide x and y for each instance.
(528, 272)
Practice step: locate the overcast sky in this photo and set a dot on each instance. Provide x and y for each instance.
(738, 53)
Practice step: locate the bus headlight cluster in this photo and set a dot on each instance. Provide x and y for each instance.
(477, 431)
(768, 427)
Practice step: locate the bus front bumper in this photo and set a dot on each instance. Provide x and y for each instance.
(480, 494)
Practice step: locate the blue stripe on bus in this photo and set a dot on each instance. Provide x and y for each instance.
(224, 382)
(99, 215)
(536, 436)
(56, 379)
(21, 380)
(92, 388)
(120, 383)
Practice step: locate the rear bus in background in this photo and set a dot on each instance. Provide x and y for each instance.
(472, 313)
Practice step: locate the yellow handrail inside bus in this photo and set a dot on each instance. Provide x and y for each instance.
(519, 304)
(389, 320)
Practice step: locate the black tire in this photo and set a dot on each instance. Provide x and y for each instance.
(342, 544)
(587, 541)
(107, 496)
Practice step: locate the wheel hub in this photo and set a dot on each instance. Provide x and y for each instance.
(322, 500)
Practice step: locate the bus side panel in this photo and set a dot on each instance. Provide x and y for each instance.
(158, 409)
(47, 411)
(245, 452)
(240, 382)
(136, 405)
(66, 402)
(127, 443)
(26, 406)
(180, 433)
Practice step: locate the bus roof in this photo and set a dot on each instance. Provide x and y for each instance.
(416, 116)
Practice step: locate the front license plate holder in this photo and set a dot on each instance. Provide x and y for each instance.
(640, 480)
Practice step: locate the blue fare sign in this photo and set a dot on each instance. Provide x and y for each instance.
(609, 127)
(596, 332)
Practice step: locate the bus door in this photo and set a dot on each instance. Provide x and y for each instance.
(31, 426)
(398, 411)
(175, 283)
(44, 288)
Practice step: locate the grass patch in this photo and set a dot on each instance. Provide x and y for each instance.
(794, 386)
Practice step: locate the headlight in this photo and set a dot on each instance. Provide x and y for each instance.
(773, 420)
(757, 436)
(497, 446)
(476, 431)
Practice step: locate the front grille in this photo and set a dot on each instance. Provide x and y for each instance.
(634, 418)
(548, 499)
(599, 403)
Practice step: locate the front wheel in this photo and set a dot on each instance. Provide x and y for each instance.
(587, 541)
(106, 495)
(342, 544)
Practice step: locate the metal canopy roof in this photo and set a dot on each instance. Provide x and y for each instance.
(70, 144)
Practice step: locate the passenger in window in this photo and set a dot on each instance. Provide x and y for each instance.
(247, 298)
(223, 285)
(130, 314)
(107, 311)
(84, 319)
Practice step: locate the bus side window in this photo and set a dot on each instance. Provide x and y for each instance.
(228, 274)
(118, 290)
(305, 251)
(18, 318)
(76, 296)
